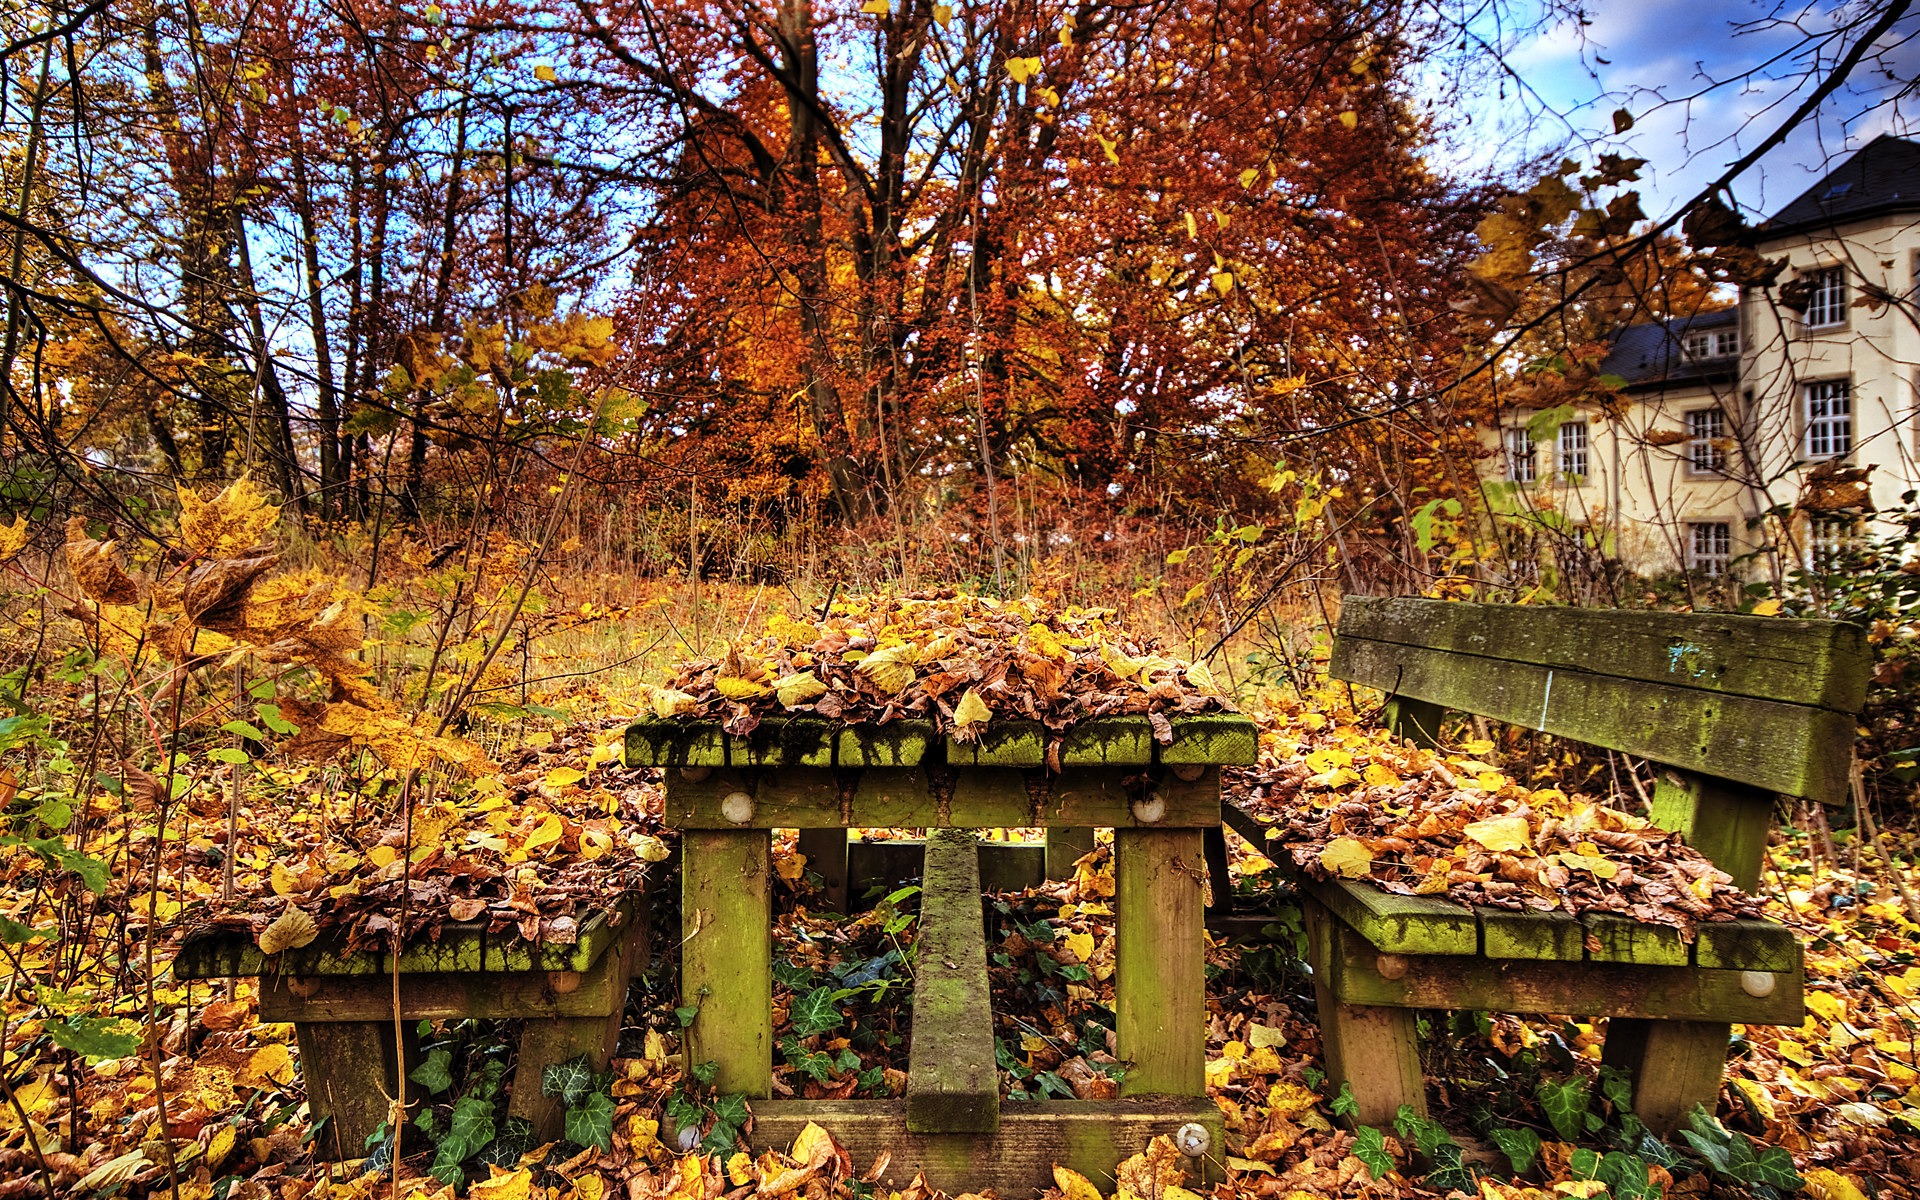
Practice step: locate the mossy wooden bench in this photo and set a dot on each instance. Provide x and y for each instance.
(1734, 711)
(727, 794)
(341, 1005)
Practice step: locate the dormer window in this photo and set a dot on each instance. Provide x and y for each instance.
(1711, 343)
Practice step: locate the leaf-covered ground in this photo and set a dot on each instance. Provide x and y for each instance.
(121, 1079)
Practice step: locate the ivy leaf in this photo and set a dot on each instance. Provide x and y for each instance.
(731, 1109)
(436, 1073)
(1519, 1145)
(816, 1012)
(590, 1123)
(1370, 1147)
(1344, 1105)
(569, 1080)
(1566, 1105)
(467, 1134)
(1626, 1176)
(15, 933)
(514, 1139)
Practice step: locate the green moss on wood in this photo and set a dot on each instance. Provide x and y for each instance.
(1552, 935)
(895, 744)
(1214, 739)
(1400, 924)
(1108, 741)
(1001, 744)
(1748, 946)
(1624, 940)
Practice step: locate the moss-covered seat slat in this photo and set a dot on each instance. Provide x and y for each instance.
(1211, 739)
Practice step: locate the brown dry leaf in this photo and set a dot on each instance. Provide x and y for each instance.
(1151, 1172)
(290, 930)
(231, 523)
(96, 568)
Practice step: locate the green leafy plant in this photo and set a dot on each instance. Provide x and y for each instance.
(1733, 1157)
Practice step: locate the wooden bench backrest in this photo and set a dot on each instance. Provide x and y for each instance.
(1760, 701)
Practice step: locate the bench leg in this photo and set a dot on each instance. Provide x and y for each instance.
(1374, 1051)
(1066, 846)
(546, 1041)
(1219, 870)
(351, 1078)
(826, 851)
(726, 955)
(1674, 1065)
(1160, 988)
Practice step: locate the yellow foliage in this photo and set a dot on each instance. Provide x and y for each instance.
(13, 538)
(230, 524)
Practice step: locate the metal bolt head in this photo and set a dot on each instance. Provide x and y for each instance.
(695, 774)
(1757, 984)
(737, 807)
(1188, 772)
(1193, 1139)
(1150, 809)
(1391, 966)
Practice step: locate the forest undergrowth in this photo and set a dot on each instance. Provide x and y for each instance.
(122, 1079)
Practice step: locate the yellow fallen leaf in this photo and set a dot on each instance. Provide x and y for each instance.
(544, 73)
(591, 1186)
(1080, 945)
(798, 688)
(876, 7)
(1823, 1184)
(1349, 119)
(1600, 868)
(971, 710)
(943, 13)
(544, 834)
(670, 702)
(1259, 1035)
(1074, 1185)
(285, 882)
(735, 688)
(504, 1185)
(813, 1148)
(1347, 857)
(1770, 608)
(737, 1168)
(380, 856)
(562, 777)
(1501, 834)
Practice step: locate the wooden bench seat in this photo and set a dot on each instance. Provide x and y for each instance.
(1734, 711)
(341, 1004)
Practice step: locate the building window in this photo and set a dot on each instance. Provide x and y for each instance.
(1520, 466)
(1828, 538)
(1827, 301)
(1829, 419)
(1711, 343)
(1709, 547)
(1573, 447)
(1706, 441)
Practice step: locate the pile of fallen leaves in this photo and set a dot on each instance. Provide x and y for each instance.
(558, 836)
(956, 659)
(1425, 823)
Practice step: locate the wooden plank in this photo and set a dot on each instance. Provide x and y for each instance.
(826, 853)
(350, 1070)
(1414, 720)
(1213, 739)
(1363, 975)
(1625, 940)
(1001, 744)
(1791, 748)
(1251, 829)
(1727, 822)
(480, 995)
(1396, 924)
(953, 1082)
(993, 798)
(1107, 742)
(1554, 935)
(1160, 990)
(1748, 945)
(222, 953)
(1018, 1158)
(895, 744)
(805, 741)
(726, 954)
(549, 1041)
(670, 743)
(1004, 866)
(1374, 1050)
(1067, 845)
(1674, 1065)
(1213, 847)
(1819, 663)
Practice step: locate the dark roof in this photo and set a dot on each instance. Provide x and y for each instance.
(1883, 176)
(1650, 354)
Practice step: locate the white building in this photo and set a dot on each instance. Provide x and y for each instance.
(1750, 439)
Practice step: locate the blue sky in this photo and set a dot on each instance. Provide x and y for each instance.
(1705, 80)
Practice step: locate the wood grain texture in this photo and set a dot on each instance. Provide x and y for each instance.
(350, 1070)
(1416, 721)
(1559, 988)
(826, 853)
(547, 1041)
(953, 1082)
(1792, 748)
(1067, 845)
(1674, 1066)
(984, 798)
(1727, 822)
(1373, 1050)
(1396, 924)
(1160, 998)
(1017, 1159)
(1819, 663)
(726, 954)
